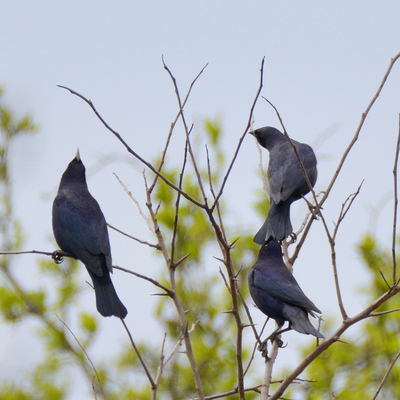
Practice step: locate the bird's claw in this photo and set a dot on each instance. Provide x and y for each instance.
(263, 347)
(293, 237)
(57, 256)
(278, 340)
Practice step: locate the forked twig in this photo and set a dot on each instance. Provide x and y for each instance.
(348, 149)
(187, 130)
(345, 208)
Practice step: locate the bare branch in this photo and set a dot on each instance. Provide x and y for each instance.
(46, 253)
(229, 393)
(345, 208)
(131, 151)
(88, 358)
(348, 149)
(361, 124)
(384, 312)
(395, 205)
(160, 368)
(187, 130)
(146, 278)
(332, 245)
(269, 365)
(178, 202)
(391, 365)
(173, 125)
(177, 302)
(333, 339)
(242, 137)
(146, 370)
(132, 197)
(155, 246)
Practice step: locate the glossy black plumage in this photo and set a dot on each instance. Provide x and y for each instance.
(286, 180)
(276, 292)
(80, 229)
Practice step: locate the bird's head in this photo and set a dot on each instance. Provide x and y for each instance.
(271, 248)
(268, 136)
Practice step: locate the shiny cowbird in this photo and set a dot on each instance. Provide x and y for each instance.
(80, 229)
(277, 294)
(287, 182)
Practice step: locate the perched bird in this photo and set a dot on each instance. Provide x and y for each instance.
(277, 294)
(286, 180)
(80, 229)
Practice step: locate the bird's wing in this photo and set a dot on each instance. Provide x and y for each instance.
(84, 233)
(283, 287)
(284, 171)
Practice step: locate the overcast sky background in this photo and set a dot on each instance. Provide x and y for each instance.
(323, 64)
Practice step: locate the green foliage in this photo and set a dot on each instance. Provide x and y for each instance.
(12, 306)
(354, 370)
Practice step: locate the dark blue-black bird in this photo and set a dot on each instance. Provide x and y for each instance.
(277, 294)
(286, 180)
(80, 229)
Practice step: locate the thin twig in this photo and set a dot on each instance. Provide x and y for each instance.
(133, 198)
(87, 356)
(146, 278)
(395, 205)
(332, 245)
(391, 365)
(160, 368)
(146, 370)
(178, 203)
(384, 312)
(210, 180)
(242, 137)
(345, 208)
(154, 246)
(46, 253)
(229, 393)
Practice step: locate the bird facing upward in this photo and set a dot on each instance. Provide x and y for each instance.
(80, 229)
(277, 294)
(286, 180)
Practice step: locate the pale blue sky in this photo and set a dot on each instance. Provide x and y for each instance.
(323, 63)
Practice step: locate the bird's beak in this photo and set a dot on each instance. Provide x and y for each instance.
(78, 156)
(252, 133)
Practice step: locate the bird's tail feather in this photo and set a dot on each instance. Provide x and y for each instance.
(303, 325)
(277, 225)
(107, 300)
